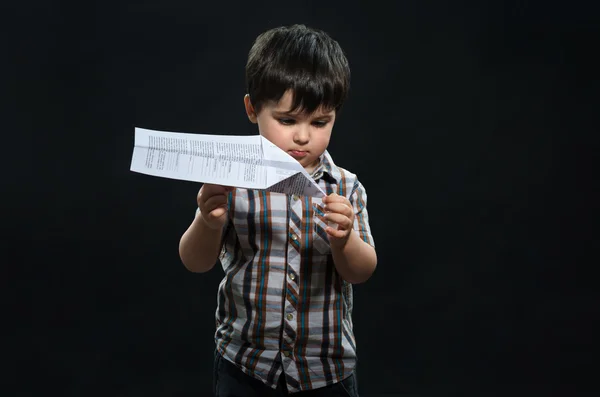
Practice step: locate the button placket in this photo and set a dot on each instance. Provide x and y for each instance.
(291, 280)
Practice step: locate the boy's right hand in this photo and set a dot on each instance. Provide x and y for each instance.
(212, 201)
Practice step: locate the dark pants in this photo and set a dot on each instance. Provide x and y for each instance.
(230, 381)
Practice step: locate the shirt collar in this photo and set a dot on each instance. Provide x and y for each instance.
(327, 169)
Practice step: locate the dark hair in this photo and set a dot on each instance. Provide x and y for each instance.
(304, 60)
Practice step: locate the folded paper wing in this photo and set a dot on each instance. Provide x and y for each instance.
(251, 162)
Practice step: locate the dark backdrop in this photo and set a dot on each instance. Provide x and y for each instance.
(471, 124)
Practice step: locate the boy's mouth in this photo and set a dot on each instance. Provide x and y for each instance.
(297, 153)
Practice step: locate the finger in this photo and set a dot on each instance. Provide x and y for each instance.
(211, 189)
(218, 212)
(339, 200)
(333, 198)
(214, 202)
(340, 220)
(208, 191)
(340, 208)
(215, 213)
(336, 233)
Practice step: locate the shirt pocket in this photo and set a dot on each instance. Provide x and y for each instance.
(320, 240)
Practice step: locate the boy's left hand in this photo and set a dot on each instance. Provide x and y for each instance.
(338, 210)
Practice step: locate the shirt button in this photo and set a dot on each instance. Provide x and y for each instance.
(294, 237)
(295, 197)
(290, 316)
(286, 353)
(292, 276)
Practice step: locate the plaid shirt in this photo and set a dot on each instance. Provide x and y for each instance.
(281, 305)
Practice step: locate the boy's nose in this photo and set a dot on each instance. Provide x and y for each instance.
(302, 135)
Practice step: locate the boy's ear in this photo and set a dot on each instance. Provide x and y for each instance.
(250, 109)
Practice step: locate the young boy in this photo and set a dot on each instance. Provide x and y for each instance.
(284, 306)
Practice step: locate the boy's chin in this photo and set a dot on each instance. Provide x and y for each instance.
(309, 166)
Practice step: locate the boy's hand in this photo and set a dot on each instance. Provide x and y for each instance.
(212, 201)
(338, 210)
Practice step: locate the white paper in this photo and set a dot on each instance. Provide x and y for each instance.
(251, 162)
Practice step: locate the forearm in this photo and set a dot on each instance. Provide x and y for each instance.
(356, 260)
(199, 246)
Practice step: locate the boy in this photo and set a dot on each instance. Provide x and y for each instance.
(284, 306)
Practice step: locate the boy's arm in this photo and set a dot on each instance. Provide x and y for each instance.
(199, 246)
(351, 241)
(355, 260)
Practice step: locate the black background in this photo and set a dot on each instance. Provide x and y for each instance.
(471, 124)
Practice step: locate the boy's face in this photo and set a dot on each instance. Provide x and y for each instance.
(304, 137)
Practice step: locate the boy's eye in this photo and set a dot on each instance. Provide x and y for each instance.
(288, 121)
